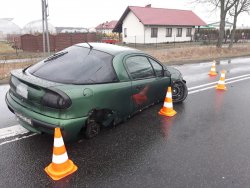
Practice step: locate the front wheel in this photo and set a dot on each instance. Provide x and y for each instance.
(179, 91)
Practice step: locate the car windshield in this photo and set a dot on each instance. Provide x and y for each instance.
(76, 65)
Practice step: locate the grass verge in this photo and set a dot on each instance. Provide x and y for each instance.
(199, 53)
(6, 68)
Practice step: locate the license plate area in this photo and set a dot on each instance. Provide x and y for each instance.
(23, 118)
(22, 90)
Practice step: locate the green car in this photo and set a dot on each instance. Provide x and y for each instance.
(87, 86)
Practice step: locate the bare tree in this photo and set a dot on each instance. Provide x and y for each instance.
(239, 7)
(224, 6)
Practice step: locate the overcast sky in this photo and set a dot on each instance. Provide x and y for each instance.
(90, 13)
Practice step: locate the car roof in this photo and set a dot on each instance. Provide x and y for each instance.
(108, 48)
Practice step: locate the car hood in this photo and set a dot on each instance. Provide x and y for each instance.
(175, 73)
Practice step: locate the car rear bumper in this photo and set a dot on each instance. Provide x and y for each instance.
(39, 123)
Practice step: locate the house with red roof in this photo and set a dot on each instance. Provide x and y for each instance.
(157, 25)
(106, 27)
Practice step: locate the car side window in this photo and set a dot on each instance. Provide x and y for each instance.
(139, 67)
(157, 67)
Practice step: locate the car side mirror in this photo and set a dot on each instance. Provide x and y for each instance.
(167, 73)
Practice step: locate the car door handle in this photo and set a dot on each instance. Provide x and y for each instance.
(138, 87)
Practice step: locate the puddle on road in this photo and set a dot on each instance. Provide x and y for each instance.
(167, 123)
(198, 72)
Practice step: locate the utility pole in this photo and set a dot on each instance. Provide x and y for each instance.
(43, 28)
(47, 28)
(45, 15)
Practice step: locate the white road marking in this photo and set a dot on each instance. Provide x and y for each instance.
(206, 88)
(12, 131)
(16, 139)
(199, 90)
(208, 84)
(18, 130)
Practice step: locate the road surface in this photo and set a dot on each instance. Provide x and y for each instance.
(207, 143)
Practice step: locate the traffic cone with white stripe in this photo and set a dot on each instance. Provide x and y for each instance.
(213, 69)
(221, 83)
(167, 109)
(61, 166)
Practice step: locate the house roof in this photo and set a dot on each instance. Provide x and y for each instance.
(107, 25)
(161, 16)
(71, 29)
(217, 24)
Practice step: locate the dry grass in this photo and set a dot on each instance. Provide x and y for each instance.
(6, 68)
(7, 52)
(194, 53)
(6, 48)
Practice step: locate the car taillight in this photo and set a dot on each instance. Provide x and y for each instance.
(56, 100)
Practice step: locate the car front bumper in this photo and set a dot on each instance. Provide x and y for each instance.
(39, 123)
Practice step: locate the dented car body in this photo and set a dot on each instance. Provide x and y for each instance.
(87, 86)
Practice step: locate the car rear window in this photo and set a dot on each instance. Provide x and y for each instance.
(76, 65)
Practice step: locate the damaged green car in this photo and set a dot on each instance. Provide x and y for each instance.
(87, 86)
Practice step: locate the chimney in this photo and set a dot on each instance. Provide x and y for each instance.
(148, 6)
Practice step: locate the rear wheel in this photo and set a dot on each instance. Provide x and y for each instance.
(179, 91)
(92, 129)
(98, 119)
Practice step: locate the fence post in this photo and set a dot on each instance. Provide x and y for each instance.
(135, 41)
(174, 40)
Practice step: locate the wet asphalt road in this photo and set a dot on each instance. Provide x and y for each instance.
(6, 117)
(207, 144)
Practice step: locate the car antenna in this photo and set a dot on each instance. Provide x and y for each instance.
(91, 47)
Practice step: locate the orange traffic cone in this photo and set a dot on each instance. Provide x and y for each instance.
(221, 82)
(167, 108)
(213, 69)
(61, 166)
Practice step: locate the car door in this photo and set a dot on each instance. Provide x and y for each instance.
(142, 78)
(161, 82)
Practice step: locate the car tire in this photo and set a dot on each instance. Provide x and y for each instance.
(92, 129)
(179, 91)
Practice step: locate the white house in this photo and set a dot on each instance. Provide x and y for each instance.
(157, 25)
(106, 27)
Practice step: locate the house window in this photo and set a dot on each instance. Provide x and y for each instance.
(154, 32)
(125, 32)
(189, 32)
(169, 32)
(179, 32)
